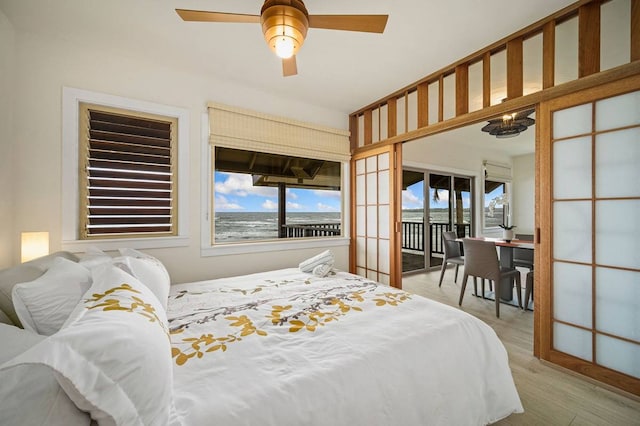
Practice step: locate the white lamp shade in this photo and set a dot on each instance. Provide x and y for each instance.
(34, 244)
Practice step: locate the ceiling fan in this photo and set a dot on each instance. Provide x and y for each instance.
(285, 24)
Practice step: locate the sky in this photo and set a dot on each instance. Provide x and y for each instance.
(413, 198)
(234, 192)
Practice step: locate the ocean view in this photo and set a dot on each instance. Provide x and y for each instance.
(241, 226)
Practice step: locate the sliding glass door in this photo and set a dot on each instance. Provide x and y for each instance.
(432, 203)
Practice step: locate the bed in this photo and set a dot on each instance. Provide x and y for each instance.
(282, 347)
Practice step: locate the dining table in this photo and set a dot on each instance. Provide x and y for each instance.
(506, 259)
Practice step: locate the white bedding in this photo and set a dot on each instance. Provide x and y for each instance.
(288, 348)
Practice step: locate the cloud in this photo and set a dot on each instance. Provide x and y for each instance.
(294, 206)
(270, 205)
(221, 203)
(241, 185)
(326, 208)
(327, 194)
(291, 194)
(410, 200)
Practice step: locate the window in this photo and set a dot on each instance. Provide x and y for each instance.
(124, 174)
(127, 165)
(496, 204)
(263, 196)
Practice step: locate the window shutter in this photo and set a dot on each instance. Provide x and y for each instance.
(127, 173)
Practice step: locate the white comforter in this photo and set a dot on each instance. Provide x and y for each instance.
(288, 348)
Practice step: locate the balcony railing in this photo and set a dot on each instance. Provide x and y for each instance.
(311, 230)
(413, 232)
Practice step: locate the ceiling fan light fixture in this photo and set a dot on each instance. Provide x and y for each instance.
(284, 47)
(284, 26)
(509, 125)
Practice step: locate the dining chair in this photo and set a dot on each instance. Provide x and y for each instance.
(452, 254)
(523, 257)
(481, 261)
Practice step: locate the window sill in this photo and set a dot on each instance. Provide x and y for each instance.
(80, 246)
(260, 247)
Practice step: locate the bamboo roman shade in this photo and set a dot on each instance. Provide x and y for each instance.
(496, 171)
(128, 165)
(232, 127)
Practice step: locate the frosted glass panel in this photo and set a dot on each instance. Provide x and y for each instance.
(532, 64)
(361, 271)
(572, 168)
(385, 255)
(360, 189)
(412, 111)
(384, 279)
(572, 293)
(383, 161)
(400, 110)
(384, 120)
(383, 221)
(361, 220)
(618, 164)
(618, 355)
(498, 77)
(360, 166)
(383, 187)
(615, 34)
(372, 253)
(566, 58)
(372, 164)
(618, 302)
(572, 231)
(360, 130)
(361, 251)
(618, 233)
(572, 121)
(449, 96)
(573, 341)
(619, 111)
(434, 95)
(372, 221)
(372, 188)
(372, 275)
(375, 125)
(475, 86)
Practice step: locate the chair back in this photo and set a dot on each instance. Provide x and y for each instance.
(481, 259)
(450, 245)
(523, 255)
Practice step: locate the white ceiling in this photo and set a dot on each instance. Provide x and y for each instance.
(340, 70)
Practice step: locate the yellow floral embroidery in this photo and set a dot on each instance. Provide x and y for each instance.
(137, 305)
(194, 346)
(307, 312)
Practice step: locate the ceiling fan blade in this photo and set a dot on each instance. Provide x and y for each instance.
(204, 16)
(363, 23)
(289, 66)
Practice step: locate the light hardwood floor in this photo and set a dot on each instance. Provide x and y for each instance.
(549, 395)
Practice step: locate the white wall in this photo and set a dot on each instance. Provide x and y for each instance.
(44, 66)
(524, 176)
(7, 243)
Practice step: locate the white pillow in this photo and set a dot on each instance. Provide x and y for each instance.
(324, 258)
(31, 395)
(44, 304)
(149, 270)
(113, 359)
(93, 257)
